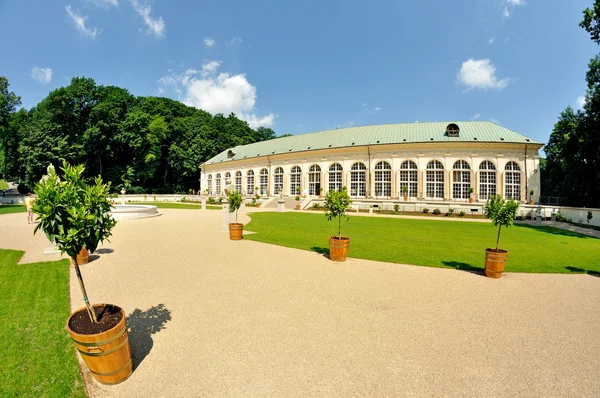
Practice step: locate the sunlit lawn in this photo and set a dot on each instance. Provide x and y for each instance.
(175, 205)
(434, 243)
(37, 357)
(7, 209)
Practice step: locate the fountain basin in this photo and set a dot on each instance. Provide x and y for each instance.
(131, 212)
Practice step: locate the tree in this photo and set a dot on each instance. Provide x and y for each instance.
(74, 215)
(9, 102)
(336, 204)
(591, 21)
(501, 212)
(234, 199)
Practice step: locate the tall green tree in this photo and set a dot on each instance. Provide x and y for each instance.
(9, 102)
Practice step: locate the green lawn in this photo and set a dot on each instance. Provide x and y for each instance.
(7, 209)
(37, 357)
(434, 243)
(174, 205)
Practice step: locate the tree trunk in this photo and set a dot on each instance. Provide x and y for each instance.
(90, 310)
(498, 239)
(100, 164)
(165, 176)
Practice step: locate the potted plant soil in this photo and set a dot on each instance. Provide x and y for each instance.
(531, 201)
(297, 200)
(405, 193)
(76, 216)
(236, 229)
(502, 213)
(470, 192)
(336, 204)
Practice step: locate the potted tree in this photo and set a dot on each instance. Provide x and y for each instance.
(321, 192)
(336, 204)
(75, 216)
(531, 201)
(470, 191)
(297, 202)
(405, 193)
(502, 213)
(235, 202)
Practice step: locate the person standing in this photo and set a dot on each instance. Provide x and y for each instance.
(29, 205)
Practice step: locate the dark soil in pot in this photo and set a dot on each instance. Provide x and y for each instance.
(108, 317)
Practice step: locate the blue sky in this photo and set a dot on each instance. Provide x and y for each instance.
(312, 65)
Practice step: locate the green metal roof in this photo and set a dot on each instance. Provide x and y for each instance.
(474, 131)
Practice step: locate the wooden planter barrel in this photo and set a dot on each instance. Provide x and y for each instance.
(236, 231)
(106, 354)
(495, 262)
(297, 207)
(338, 248)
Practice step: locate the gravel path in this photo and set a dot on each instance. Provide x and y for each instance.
(214, 317)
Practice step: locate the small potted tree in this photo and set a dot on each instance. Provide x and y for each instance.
(336, 204)
(75, 216)
(531, 201)
(502, 213)
(321, 192)
(297, 202)
(236, 229)
(405, 193)
(470, 192)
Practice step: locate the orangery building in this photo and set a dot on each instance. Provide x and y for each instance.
(429, 161)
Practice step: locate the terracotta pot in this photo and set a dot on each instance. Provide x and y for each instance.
(297, 207)
(258, 205)
(338, 248)
(470, 200)
(495, 262)
(531, 202)
(83, 257)
(236, 231)
(406, 198)
(106, 354)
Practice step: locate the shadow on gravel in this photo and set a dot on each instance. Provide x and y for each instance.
(321, 250)
(142, 325)
(464, 267)
(583, 271)
(104, 250)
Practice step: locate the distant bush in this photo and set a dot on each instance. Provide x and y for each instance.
(211, 201)
(3, 185)
(436, 212)
(426, 210)
(23, 189)
(450, 212)
(315, 205)
(560, 217)
(461, 214)
(396, 207)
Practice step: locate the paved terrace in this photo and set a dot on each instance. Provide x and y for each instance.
(214, 317)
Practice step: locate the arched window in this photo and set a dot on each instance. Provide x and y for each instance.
(264, 181)
(250, 182)
(218, 184)
(335, 177)
(408, 178)
(383, 179)
(435, 180)
(295, 178)
(227, 178)
(209, 184)
(461, 176)
(358, 180)
(512, 181)
(487, 180)
(278, 180)
(314, 180)
(238, 181)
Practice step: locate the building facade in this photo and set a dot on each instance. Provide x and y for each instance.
(423, 161)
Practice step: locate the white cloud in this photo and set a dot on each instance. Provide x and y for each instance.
(79, 21)
(480, 73)
(581, 101)
(209, 41)
(155, 26)
(491, 40)
(344, 125)
(476, 116)
(218, 93)
(506, 13)
(494, 120)
(104, 3)
(210, 67)
(370, 110)
(42, 75)
(516, 2)
(235, 40)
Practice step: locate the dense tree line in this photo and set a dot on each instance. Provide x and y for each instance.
(145, 144)
(572, 166)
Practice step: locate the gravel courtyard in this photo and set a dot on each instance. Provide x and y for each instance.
(214, 317)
